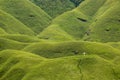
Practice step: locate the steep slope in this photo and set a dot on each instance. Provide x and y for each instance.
(93, 20)
(107, 25)
(29, 14)
(11, 25)
(76, 22)
(56, 7)
(55, 33)
(69, 22)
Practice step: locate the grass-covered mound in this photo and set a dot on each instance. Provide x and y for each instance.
(11, 44)
(58, 52)
(55, 33)
(76, 22)
(15, 65)
(107, 25)
(92, 20)
(18, 65)
(61, 49)
(21, 38)
(69, 22)
(2, 31)
(13, 26)
(28, 13)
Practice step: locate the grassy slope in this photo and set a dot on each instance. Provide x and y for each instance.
(55, 33)
(52, 50)
(106, 28)
(71, 21)
(101, 61)
(15, 28)
(11, 44)
(25, 11)
(56, 7)
(31, 67)
(99, 21)
(69, 24)
(2, 31)
(14, 65)
(21, 38)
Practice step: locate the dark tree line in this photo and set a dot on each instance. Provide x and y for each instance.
(76, 2)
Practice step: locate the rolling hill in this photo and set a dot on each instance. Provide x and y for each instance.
(56, 7)
(27, 13)
(15, 28)
(59, 40)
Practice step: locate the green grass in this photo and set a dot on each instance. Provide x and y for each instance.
(2, 31)
(11, 44)
(14, 64)
(61, 49)
(69, 23)
(28, 66)
(90, 29)
(80, 41)
(13, 26)
(55, 33)
(77, 22)
(26, 12)
(54, 8)
(21, 38)
(107, 27)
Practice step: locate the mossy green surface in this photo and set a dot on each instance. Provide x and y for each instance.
(56, 7)
(80, 41)
(28, 13)
(13, 26)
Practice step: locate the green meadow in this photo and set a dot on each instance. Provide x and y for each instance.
(59, 39)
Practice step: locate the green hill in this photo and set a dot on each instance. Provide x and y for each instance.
(29, 14)
(106, 28)
(56, 7)
(59, 40)
(11, 44)
(55, 33)
(12, 26)
(76, 22)
(19, 65)
(2, 31)
(84, 22)
(21, 38)
(61, 49)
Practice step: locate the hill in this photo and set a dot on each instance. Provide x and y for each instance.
(76, 22)
(109, 20)
(15, 28)
(84, 22)
(59, 40)
(26, 12)
(30, 67)
(2, 31)
(56, 7)
(11, 44)
(21, 38)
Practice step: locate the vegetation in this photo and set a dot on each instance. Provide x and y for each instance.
(56, 7)
(27, 13)
(59, 40)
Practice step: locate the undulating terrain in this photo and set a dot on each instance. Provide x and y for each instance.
(59, 39)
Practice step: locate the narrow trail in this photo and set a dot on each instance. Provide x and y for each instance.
(79, 67)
